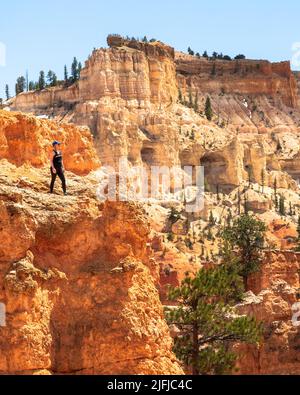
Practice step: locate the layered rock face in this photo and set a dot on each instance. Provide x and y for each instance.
(273, 293)
(242, 77)
(77, 277)
(132, 71)
(48, 100)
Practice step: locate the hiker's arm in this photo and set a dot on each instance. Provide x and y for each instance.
(52, 165)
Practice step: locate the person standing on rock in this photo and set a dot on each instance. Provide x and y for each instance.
(57, 167)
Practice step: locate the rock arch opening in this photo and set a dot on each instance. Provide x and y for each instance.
(148, 156)
(215, 171)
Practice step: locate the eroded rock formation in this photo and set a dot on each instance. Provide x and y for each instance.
(273, 292)
(77, 276)
(27, 140)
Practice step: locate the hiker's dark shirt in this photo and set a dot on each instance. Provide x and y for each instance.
(57, 160)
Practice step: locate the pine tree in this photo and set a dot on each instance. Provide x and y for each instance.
(174, 215)
(7, 92)
(282, 205)
(31, 86)
(276, 202)
(263, 178)
(218, 192)
(66, 77)
(74, 70)
(190, 51)
(205, 54)
(240, 57)
(202, 251)
(27, 81)
(210, 235)
(79, 69)
(42, 82)
(196, 106)
(207, 322)
(275, 192)
(190, 98)
(51, 78)
(208, 109)
(211, 220)
(239, 201)
(246, 208)
(229, 218)
(246, 236)
(290, 209)
(20, 85)
(180, 97)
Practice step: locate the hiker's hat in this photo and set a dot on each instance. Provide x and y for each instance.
(56, 143)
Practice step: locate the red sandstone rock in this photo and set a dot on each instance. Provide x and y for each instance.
(284, 233)
(273, 293)
(77, 276)
(24, 139)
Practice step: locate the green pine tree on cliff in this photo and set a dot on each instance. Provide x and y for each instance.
(66, 77)
(20, 85)
(207, 322)
(246, 237)
(42, 82)
(208, 109)
(74, 70)
(7, 92)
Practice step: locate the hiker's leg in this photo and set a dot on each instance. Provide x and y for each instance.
(53, 178)
(61, 175)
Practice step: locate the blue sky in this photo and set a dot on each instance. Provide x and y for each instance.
(47, 34)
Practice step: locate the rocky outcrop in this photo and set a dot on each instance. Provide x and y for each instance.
(273, 292)
(27, 140)
(138, 73)
(77, 277)
(78, 282)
